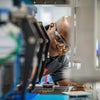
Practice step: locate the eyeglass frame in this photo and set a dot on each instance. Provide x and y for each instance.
(56, 33)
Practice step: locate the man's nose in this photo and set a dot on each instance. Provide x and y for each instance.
(60, 47)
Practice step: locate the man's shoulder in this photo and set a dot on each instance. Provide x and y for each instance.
(57, 58)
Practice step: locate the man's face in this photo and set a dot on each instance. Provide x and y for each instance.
(59, 39)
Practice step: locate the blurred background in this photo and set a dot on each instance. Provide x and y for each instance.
(14, 48)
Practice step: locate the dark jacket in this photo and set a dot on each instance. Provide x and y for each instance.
(55, 67)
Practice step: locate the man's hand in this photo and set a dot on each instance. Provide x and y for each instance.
(76, 86)
(63, 82)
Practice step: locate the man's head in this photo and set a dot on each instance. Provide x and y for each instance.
(59, 34)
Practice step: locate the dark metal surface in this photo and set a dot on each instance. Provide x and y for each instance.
(50, 1)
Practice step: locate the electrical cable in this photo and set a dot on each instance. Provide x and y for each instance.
(12, 54)
(16, 67)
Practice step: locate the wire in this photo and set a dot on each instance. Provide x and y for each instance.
(16, 68)
(12, 54)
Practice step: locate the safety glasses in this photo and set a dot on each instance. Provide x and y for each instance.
(59, 38)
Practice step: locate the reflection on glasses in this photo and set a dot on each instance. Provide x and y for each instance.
(59, 38)
(57, 35)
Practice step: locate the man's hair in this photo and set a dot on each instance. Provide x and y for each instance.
(46, 27)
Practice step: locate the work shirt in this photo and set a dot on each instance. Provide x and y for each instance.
(55, 67)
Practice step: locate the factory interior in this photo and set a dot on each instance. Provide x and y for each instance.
(28, 68)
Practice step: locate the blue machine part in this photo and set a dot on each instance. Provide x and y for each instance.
(49, 79)
(98, 51)
(32, 96)
(50, 97)
(4, 10)
(29, 96)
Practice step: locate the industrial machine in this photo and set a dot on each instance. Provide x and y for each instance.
(24, 46)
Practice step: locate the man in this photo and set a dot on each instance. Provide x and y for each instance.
(59, 34)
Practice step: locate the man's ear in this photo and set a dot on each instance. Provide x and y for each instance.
(51, 25)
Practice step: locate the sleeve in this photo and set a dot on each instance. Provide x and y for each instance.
(53, 65)
(62, 72)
